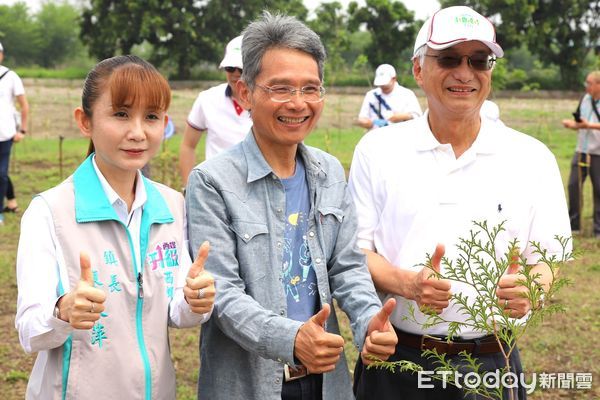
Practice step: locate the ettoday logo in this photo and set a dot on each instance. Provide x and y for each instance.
(467, 20)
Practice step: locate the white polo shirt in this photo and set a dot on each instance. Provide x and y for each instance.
(412, 193)
(10, 87)
(216, 113)
(400, 100)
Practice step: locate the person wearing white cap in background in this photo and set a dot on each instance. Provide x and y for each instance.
(217, 111)
(11, 89)
(389, 102)
(418, 186)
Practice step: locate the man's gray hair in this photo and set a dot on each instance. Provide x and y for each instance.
(277, 31)
(420, 54)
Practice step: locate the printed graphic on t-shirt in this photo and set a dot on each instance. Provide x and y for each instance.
(298, 274)
(297, 263)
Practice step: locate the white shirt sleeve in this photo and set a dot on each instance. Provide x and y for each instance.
(196, 117)
(180, 315)
(413, 105)
(18, 88)
(40, 266)
(360, 186)
(365, 111)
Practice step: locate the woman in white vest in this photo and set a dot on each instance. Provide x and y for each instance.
(103, 266)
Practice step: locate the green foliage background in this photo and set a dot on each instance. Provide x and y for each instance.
(549, 45)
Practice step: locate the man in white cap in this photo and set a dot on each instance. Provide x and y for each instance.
(418, 186)
(389, 102)
(217, 111)
(11, 89)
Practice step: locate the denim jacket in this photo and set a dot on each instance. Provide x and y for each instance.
(237, 203)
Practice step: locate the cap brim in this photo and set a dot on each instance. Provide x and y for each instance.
(494, 47)
(231, 61)
(382, 80)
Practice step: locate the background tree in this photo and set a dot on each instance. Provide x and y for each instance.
(111, 27)
(391, 25)
(175, 30)
(331, 24)
(182, 32)
(18, 34)
(559, 32)
(57, 32)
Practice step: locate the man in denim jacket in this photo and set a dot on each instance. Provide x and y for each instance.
(283, 232)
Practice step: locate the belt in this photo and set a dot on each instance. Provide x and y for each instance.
(295, 372)
(485, 345)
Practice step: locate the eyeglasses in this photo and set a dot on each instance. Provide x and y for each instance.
(232, 69)
(283, 93)
(479, 62)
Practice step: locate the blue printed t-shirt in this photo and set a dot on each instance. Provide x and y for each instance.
(299, 278)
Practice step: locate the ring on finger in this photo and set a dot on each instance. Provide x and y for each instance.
(92, 308)
(201, 293)
(505, 303)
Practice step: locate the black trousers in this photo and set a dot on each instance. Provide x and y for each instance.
(308, 388)
(583, 165)
(380, 384)
(10, 190)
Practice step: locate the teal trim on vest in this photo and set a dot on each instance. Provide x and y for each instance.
(91, 203)
(155, 211)
(66, 360)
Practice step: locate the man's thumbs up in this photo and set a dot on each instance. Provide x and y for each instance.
(381, 320)
(318, 350)
(381, 339)
(512, 295)
(431, 293)
(436, 258)
(513, 266)
(199, 290)
(321, 317)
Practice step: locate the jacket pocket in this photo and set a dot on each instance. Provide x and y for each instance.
(246, 231)
(330, 219)
(253, 249)
(330, 215)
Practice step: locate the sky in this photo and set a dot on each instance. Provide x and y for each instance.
(422, 8)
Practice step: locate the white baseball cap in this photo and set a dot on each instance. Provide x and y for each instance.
(1, 48)
(233, 54)
(454, 25)
(384, 74)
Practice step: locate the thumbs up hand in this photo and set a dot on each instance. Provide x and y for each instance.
(318, 350)
(381, 338)
(430, 292)
(512, 295)
(199, 290)
(82, 306)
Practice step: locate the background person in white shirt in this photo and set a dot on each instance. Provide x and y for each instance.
(11, 89)
(418, 186)
(389, 102)
(586, 160)
(218, 112)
